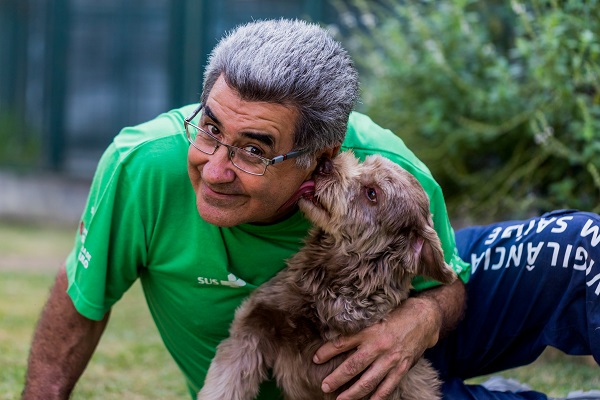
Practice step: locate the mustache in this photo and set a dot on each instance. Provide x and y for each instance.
(224, 188)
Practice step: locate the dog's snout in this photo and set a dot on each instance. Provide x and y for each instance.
(325, 166)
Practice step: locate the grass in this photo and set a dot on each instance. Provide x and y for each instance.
(555, 374)
(131, 361)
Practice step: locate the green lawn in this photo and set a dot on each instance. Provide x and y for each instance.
(131, 361)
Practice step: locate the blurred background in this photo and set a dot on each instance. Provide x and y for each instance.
(74, 72)
(499, 98)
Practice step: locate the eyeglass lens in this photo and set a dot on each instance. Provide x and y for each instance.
(241, 158)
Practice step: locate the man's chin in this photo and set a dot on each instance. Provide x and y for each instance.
(218, 216)
(223, 220)
(228, 218)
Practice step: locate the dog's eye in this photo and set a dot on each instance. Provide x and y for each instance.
(371, 194)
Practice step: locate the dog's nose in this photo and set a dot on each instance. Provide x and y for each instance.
(325, 166)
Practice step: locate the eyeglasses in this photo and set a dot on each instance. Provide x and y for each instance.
(242, 158)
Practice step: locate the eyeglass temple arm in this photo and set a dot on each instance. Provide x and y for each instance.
(282, 158)
(190, 117)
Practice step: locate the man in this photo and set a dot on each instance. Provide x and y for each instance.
(277, 98)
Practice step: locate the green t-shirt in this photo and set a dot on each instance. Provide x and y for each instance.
(141, 221)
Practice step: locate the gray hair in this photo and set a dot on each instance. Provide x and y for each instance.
(294, 63)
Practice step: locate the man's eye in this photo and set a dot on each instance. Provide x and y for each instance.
(213, 130)
(254, 150)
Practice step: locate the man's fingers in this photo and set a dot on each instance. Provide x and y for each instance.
(333, 348)
(377, 359)
(352, 366)
(391, 381)
(367, 384)
(379, 381)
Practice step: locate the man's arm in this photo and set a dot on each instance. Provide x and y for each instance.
(63, 343)
(387, 350)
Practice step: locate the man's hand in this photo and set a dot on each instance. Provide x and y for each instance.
(387, 350)
(62, 345)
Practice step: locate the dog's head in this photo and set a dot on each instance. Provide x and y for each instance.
(377, 210)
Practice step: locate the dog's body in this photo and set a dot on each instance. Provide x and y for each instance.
(372, 235)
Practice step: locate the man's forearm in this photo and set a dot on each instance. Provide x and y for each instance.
(450, 302)
(63, 343)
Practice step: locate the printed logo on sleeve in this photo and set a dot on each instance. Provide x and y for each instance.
(84, 256)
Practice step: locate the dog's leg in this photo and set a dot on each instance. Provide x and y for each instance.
(241, 361)
(235, 372)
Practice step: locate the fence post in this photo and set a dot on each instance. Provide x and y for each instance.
(56, 72)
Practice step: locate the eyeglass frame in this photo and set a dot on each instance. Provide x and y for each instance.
(231, 150)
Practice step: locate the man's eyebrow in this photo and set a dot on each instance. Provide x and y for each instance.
(210, 115)
(263, 137)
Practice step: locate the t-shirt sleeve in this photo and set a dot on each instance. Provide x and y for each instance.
(364, 137)
(109, 247)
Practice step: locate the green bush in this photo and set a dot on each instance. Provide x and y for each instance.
(500, 99)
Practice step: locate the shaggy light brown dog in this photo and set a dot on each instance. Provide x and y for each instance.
(372, 234)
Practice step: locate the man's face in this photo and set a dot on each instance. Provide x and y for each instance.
(227, 196)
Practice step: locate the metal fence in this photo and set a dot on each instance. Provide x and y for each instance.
(73, 72)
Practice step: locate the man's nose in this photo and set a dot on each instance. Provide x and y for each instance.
(219, 165)
(226, 155)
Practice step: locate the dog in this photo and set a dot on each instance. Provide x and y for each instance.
(372, 233)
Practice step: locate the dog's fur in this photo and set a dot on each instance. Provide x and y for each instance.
(372, 234)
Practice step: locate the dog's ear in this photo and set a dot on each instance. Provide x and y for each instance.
(429, 256)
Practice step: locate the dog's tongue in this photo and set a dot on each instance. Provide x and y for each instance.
(307, 189)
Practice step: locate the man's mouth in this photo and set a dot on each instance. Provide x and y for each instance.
(222, 190)
(220, 196)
